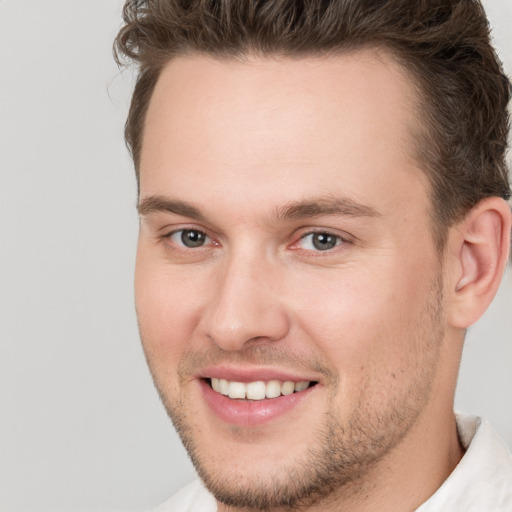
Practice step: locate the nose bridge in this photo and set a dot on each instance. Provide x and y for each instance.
(245, 304)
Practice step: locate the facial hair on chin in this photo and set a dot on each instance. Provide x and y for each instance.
(344, 451)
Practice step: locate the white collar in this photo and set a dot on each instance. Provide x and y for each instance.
(482, 481)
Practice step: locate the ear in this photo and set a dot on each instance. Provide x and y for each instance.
(478, 253)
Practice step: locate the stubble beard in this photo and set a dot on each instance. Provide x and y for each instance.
(343, 454)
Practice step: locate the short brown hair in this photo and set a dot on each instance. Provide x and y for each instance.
(444, 44)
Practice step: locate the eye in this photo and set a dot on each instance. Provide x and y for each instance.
(319, 241)
(190, 238)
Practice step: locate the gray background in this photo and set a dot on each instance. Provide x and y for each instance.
(81, 426)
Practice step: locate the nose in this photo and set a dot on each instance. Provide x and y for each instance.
(245, 307)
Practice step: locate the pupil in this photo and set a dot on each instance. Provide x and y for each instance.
(324, 241)
(192, 238)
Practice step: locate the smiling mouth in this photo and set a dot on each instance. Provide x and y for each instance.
(257, 390)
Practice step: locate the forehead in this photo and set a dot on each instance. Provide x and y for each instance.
(307, 123)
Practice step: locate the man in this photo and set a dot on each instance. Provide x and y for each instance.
(322, 198)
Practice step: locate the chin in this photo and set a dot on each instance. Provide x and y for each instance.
(290, 470)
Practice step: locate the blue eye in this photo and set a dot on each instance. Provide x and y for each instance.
(320, 241)
(190, 238)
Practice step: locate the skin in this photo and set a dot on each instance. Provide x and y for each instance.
(257, 155)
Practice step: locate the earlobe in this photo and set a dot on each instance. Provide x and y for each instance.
(481, 250)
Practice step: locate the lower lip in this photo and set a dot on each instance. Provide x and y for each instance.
(250, 413)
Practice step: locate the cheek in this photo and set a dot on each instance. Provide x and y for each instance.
(167, 306)
(364, 321)
(376, 336)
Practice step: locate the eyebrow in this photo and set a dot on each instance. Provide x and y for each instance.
(154, 204)
(325, 205)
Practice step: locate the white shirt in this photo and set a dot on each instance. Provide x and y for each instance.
(481, 482)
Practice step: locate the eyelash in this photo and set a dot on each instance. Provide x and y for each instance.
(181, 232)
(338, 239)
(176, 239)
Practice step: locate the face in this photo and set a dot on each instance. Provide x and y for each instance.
(287, 286)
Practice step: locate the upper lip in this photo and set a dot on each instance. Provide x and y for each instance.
(252, 374)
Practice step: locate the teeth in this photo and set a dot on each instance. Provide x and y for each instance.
(223, 386)
(257, 390)
(216, 385)
(288, 387)
(237, 390)
(273, 389)
(301, 386)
